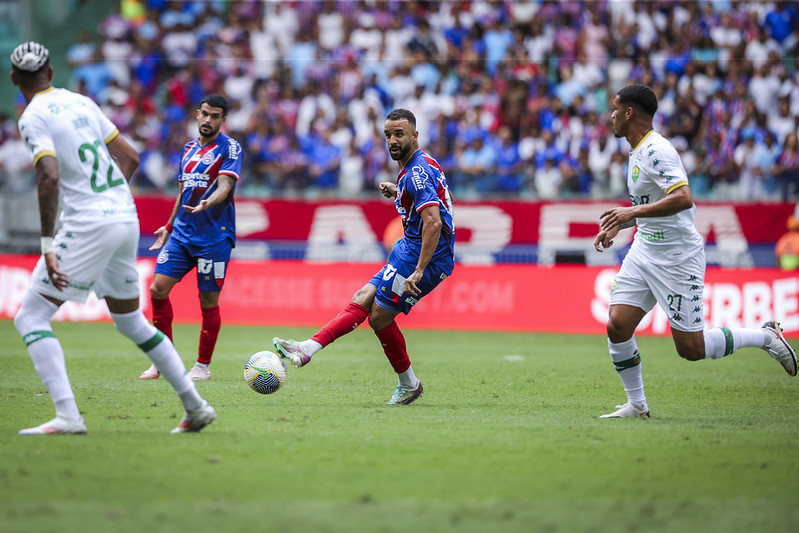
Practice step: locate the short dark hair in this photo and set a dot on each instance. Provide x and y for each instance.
(217, 100)
(399, 114)
(639, 96)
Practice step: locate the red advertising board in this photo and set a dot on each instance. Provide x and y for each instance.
(568, 299)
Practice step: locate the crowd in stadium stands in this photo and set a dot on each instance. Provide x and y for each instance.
(512, 97)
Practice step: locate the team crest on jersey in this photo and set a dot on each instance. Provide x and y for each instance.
(208, 158)
(636, 173)
(163, 257)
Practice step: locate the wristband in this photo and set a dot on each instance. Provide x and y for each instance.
(47, 245)
(168, 227)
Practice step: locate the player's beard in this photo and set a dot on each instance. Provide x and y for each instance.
(399, 156)
(211, 132)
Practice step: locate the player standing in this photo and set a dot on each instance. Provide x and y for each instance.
(83, 166)
(419, 261)
(201, 231)
(666, 262)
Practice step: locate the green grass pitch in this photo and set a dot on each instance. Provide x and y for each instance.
(506, 438)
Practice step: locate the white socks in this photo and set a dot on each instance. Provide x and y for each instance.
(720, 342)
(310, 346)
(161, 352)
(408, 379)
(33, 323)
(628, 365)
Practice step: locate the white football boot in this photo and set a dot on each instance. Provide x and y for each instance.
(56, 426)
(150, 373)
(627, 410)
(199, 372)
(194, 420)
(778, 347)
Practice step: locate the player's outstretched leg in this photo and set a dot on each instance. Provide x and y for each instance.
(778, 347)
(162, 353)
(291, 349)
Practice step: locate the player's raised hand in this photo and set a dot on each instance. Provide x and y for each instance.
(387, 189)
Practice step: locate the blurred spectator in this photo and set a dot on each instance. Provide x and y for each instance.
(786, 168)
(787, 248)
(726, 74)
(548, 179)
(82, 51)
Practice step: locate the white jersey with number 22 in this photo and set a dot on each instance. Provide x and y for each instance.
(73, 129)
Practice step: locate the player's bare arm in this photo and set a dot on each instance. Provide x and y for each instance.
(678, 200)
(225, 184)
(125, 155)
(163, 232)
(48, 185)
(387, 189)
(431, 231)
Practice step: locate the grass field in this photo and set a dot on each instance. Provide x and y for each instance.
(506, 438)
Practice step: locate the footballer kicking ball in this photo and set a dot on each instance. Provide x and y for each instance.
(265, 372)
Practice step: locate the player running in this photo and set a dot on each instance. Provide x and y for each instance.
(417, 264)
(201, 231)
(666, 262)
(83, 166)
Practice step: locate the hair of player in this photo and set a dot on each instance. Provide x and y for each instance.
(217, 100)
(30, 59)
(641, 97)
(399, 114)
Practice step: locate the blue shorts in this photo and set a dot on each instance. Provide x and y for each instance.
(390, 281)
(176, 259)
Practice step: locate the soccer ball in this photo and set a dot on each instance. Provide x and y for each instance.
(265, 372)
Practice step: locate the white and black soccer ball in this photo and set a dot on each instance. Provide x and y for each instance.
(265, 372)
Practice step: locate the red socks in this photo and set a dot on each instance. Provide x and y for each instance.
(209, 331)
(162, 315)
(346, 321)
(394, 347)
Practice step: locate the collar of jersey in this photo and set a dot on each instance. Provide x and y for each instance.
(51, 88)
(650, 132)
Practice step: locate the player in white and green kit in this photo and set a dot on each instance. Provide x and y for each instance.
(83, 166)
(666, 262)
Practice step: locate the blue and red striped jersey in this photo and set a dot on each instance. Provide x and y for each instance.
(199, 168)
(421, 183)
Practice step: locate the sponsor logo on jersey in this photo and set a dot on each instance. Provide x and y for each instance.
(234, 149)
(195, 179)
(417, 176)
(657, 236)
(636, 173)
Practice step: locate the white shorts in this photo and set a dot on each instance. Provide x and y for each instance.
(100, 259)
(678, 288)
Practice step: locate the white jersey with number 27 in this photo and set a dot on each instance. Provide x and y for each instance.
(73, 129)
(654, 171)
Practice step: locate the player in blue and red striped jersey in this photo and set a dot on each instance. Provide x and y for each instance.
(419, 261)
(201, 231)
